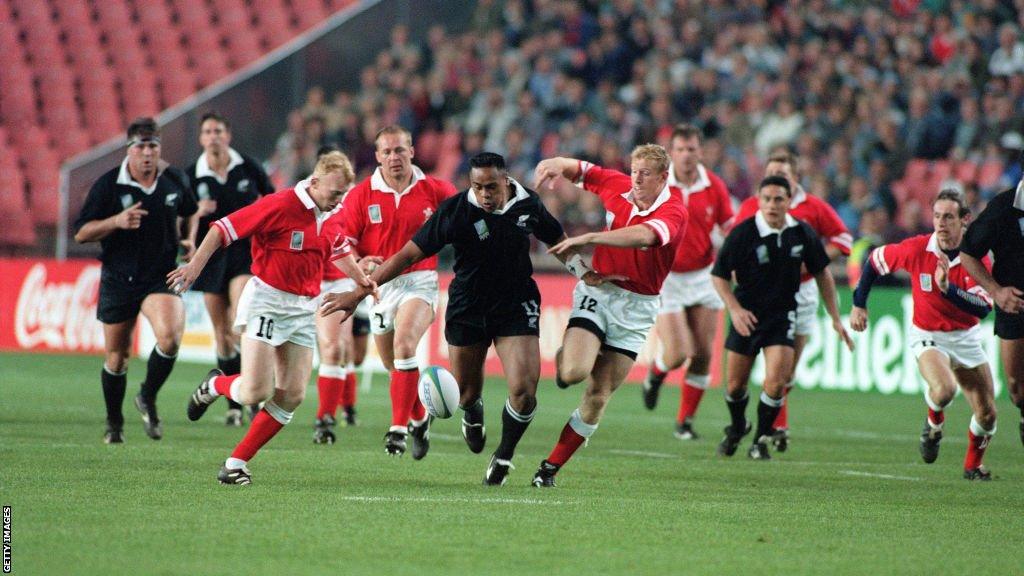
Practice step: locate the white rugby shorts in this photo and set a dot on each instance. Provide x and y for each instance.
(682, 290)
(620, 318)
(807, 308)
(963, 347)
(275, 316)
(422, 284)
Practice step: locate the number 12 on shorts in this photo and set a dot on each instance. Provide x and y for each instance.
(587, 303)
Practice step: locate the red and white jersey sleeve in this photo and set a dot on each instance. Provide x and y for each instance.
(918, 256)
(708, 204)
(645, 268)
(246, 221)
(379, 221)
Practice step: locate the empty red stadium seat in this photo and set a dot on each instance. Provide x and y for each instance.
(17, 229)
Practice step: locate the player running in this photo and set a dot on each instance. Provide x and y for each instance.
(764, 256)
(690, 307)
(293, 237)
(381, 214)
(823, 219)
(609, 322)
(493, 297)
(946, 335)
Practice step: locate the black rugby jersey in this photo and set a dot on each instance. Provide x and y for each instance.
(492, 250)
(246, 182)
(149, 252)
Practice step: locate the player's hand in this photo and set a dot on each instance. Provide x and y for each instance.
(344, 302)
(1009, 299)
(206, 207)
(180, 279)
(188, 248)
(131, 217)
(858, 319)
(369, 263)
(581, 240)
(743, 321)
(547, 171)
(942, 273)
(841, 330)
(592, 278)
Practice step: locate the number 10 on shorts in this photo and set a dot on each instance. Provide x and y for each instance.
(266, 328)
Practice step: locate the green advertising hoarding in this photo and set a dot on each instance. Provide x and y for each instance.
(882, 360)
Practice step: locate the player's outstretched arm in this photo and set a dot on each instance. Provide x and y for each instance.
(180, 279)
(1008, 298)
(347, 301)
(637, 236)
(128, 219)
(827, 287)
(551, 170)
(573, 260)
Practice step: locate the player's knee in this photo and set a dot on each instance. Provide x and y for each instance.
(673, 358)
(572, 374)
(116, 361)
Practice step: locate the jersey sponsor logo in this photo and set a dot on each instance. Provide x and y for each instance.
(203, 191)
(243, 185)
(170, 198)
(796, 251)
(126, 200)
(926, 282)
(374, 213)
(297, 237)
(523, 221)
(762, 254)
(481, 229)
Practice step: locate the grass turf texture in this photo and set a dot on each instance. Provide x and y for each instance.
(850, 496)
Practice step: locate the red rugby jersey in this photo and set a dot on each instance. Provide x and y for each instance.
(646, 268)
(919, 256)
(815, 212)
(379, 220)
(292, 239)
(708, 204)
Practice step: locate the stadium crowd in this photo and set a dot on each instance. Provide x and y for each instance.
(885, 102)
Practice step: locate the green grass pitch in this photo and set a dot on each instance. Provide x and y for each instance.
(851, 496)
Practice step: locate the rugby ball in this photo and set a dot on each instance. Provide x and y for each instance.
(439, 392)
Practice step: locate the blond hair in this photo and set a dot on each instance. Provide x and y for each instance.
(334, 161)
(654, 154)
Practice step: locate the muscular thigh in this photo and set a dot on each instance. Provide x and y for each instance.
(166, 314)
(520, 360)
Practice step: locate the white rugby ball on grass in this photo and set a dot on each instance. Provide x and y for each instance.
(439, 392)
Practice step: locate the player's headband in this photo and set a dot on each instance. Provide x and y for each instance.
(143, 140)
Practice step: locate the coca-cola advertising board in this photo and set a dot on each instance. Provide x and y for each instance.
(50, 306)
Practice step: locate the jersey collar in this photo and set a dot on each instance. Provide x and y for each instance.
(799, 196)
(933, 247)
(666, 193)
(377, 181)
(518, 193)
(765, 230)
(203, 166)
(703, 181)
(1018, 198)
(125, 177)
(302, 191)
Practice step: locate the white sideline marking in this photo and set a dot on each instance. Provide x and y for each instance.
(873, 475)
(642, 453)
(443, 499)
